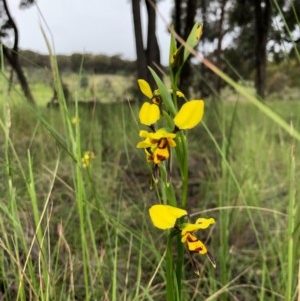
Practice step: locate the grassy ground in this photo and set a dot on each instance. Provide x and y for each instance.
(69, 233)
(104, 88)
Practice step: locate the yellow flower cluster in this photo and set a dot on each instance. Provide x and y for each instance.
(88, 156)
(165, 122)
(165, 217)
(157, 142)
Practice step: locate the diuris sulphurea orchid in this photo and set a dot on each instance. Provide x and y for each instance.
(165, 217)
(157, 143)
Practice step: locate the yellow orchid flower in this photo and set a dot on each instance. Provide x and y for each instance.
(157, 144)
(165, 217)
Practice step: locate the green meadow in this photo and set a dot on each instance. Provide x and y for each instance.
(74, 233)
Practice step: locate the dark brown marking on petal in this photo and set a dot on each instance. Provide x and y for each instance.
(163, 143)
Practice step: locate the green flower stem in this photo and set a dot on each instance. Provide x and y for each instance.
(175, 80)
(179, 265)
(293, 221)
(173, 282)
(183, 160)
(170, 271)
(184, 170)
(174, 275)
(167, 189)
(181, 154)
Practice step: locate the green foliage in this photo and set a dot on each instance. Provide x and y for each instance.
(75, 233)
(254, 187)
(280, 36)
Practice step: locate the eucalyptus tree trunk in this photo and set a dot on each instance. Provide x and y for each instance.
(186, 73)
(152, 52)
(149, 55)
(262, 25)
(12, 54)
(219, 45)
(141, 59)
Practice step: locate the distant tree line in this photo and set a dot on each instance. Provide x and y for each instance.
(241, 37)
(90, 63)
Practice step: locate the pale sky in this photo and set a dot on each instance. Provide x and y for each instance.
(85, 26)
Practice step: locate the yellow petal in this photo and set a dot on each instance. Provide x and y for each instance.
(205, 222)
(189, 115)
(199, 32)
(201, 223)
(149, 113)
(145, 88)
(165, 216)
(161, 133)
(160, 155)
(171, 142)
(197, 246)
(179, 94)
(193, 243)
(144, 134)
(144, 144)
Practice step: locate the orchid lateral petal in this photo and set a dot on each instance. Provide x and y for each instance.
(144, 144)
(201, 223)
(145, 88)
(171, 142)
(143, 134)
(149, 113)
(165, 216)
(161, 154)
(197, 247)
(205, 222)
(189, 115)
(161, 133)
(193, 243)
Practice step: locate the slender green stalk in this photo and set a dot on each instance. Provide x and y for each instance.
(224, 218)
(184, 170)
(293, 224)
(114, 287)
(80, 199)
(171, 290)
(139, 273)
(179, 266)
